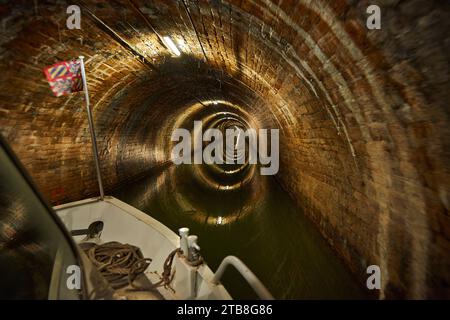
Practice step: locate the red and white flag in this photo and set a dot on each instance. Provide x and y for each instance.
(64, 77)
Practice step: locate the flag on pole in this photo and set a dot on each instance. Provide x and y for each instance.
(64, 77)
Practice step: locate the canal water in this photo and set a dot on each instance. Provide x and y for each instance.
(258, 223)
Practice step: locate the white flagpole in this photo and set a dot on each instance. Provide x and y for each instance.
(91, 128)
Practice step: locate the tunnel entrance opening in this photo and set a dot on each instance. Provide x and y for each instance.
(238, 143)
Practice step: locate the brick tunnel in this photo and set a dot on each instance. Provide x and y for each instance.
(362, 113)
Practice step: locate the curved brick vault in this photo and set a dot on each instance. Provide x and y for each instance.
(363, 115)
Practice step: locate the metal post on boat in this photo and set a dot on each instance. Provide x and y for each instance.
(184, 245)
(91, 129)
(194, 249)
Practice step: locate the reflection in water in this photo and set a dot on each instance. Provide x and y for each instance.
(257, 223)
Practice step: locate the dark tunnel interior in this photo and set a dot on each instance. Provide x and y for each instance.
(363, 120)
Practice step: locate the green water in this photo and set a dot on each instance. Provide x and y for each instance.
(258, 223)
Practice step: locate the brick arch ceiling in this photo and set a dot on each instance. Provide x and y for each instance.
(363, 114)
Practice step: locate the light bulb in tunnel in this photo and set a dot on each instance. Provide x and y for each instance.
(219, 220)
(171, 46)
(181, 43)
(215, 103)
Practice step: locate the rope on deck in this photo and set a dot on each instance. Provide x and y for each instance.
(120, 264)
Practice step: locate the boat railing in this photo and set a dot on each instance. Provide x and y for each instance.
(246, 273)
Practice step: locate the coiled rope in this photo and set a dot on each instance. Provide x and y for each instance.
(120, 264)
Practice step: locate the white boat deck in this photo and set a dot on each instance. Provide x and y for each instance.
(126, 224)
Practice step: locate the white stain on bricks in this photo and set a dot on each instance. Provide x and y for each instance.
(332, 71)
(338, 123)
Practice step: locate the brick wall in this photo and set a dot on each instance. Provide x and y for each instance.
(363, 114)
